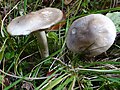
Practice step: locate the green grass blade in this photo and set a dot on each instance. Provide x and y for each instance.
(46, 81)
(99, 71)
(65, 83)
(72, 84)
(2, 49)
(55, 82)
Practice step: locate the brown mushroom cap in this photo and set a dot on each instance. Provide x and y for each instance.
(42, 19)
(93, 34)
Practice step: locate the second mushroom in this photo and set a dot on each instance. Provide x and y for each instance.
(37, 21)
(92, 34)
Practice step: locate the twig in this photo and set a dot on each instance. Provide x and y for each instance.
(55, 61)
(27, 78)
(52, 65)
(27, 57)
(61, 62)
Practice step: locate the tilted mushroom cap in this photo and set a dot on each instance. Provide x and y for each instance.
(93, 34)
(42, 19)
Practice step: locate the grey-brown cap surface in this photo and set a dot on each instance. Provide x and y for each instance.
(42, 19)
(93, 34)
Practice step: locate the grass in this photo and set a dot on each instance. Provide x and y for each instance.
(21, 64)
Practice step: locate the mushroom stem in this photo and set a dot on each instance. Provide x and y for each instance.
(43, 45)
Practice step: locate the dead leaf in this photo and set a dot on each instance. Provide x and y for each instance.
(50, 73)
(6, 82)
(27, 86)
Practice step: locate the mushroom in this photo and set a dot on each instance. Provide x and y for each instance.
(37, 21)
(92, 34)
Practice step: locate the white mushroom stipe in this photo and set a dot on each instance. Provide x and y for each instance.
(36, 21)
(92, 34)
